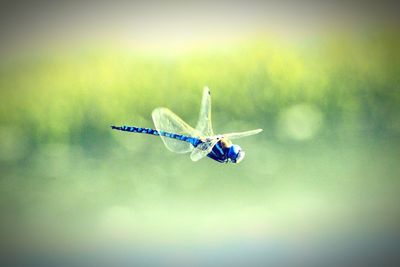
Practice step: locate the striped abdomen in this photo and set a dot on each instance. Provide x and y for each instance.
(194, 141)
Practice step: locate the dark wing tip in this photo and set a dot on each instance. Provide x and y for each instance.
(208, 90)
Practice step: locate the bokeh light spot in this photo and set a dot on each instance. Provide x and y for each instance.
(299, 122)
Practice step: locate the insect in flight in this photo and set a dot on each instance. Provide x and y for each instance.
(179, 137)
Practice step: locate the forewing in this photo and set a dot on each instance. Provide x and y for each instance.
(203, 149)
(167, 121)
(232, 136)
(204, 125)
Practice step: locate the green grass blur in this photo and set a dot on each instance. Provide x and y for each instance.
(328, 156)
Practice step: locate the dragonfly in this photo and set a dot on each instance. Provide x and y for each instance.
(200, 141)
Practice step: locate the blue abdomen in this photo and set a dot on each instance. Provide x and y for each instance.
(133, 129)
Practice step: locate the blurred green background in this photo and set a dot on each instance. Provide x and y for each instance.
(326, 163)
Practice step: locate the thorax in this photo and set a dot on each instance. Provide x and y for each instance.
(220, 150)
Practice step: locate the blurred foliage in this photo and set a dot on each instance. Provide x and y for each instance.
(329, 105)
(62, 95)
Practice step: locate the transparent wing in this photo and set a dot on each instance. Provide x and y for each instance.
(167, 121)
(232, 136)
(203, 149)
(204, 126)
